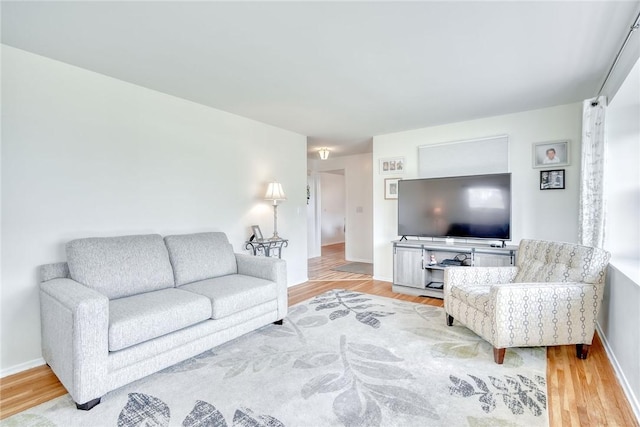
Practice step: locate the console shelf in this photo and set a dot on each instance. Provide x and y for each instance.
(414, 273)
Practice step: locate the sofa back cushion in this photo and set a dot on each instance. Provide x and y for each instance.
(200, 256)
(120, 266)
(544, 261)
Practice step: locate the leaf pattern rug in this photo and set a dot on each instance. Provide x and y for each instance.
(343, 358)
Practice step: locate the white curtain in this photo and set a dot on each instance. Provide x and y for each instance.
(592, 203)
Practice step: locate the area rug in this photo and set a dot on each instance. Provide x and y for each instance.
(343, 358)
(356, 267)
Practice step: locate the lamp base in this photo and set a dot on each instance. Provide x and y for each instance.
(275, 222)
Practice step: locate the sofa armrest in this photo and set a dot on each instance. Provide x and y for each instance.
(75, 327)
(545, 313)
(267, 268)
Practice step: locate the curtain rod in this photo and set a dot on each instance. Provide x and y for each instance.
(634, 27)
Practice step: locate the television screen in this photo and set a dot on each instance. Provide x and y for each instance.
(475, 207)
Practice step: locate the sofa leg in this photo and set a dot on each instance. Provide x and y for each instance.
(449, 319)
(498, 355)
(87, 406)
(582, 351)
(278, 322)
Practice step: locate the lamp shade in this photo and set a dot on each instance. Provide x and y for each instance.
(275, 192)
(324, 153)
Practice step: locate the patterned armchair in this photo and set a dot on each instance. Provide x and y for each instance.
(551, 297)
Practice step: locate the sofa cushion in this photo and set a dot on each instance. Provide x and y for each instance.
(234, 293)
(477, 296)
(200, 256)
(142, 317)
(542, 261)
(120, 266)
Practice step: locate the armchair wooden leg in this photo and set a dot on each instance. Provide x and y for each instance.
(449, 319)
(278, 322)
(498, 355)
(582, 351)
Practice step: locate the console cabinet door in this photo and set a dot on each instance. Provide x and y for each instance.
(407, 267)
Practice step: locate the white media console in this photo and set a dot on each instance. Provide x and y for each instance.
(415, 273)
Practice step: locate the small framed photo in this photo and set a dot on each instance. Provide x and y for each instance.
(550, 154)
(257, 234)
(392, 166)
(391, 188)
(552, 179)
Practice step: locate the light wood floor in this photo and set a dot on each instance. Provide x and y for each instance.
(320, 268)
(581, 392)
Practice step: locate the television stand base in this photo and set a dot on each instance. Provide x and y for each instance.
(418, 292)
(419, 266)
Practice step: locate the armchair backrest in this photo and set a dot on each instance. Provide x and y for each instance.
(545, 261)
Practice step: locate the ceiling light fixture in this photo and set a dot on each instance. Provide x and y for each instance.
(324, 153)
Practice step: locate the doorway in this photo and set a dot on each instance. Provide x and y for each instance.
(332, 207)
(326, 210)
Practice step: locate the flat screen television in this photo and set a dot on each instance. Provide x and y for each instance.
(470, 207)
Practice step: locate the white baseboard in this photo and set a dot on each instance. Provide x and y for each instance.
(368, 261)
(22, 367)
(383, 279)
(631, 397)
(291, 285)
(332, 243)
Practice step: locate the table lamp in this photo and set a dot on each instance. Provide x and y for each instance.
(275, 193)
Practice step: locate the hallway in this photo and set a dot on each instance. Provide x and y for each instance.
(320, 268)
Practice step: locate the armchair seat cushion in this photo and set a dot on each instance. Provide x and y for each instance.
(234, 293)
(477, 296)
(142, 317)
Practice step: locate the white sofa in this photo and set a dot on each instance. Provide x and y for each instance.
(122, 308)
(550, 297)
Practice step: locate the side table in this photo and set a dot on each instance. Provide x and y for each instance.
(266, 246)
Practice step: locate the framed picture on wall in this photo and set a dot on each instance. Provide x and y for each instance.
(550, 154)
(391, 188)
(392, 166)
(552, 179)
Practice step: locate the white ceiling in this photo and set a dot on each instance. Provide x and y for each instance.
(338, 72)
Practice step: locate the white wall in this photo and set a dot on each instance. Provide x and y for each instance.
(313, 216)
(359, 202)
(535, 213)
(622, 186)
(87, 155)
(618, 322)
(620, 317)
(333, 208)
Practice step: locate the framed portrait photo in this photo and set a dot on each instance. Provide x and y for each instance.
(257, 233)
(391, 188)
(392, 166)
(550, 154)
(552, 179)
